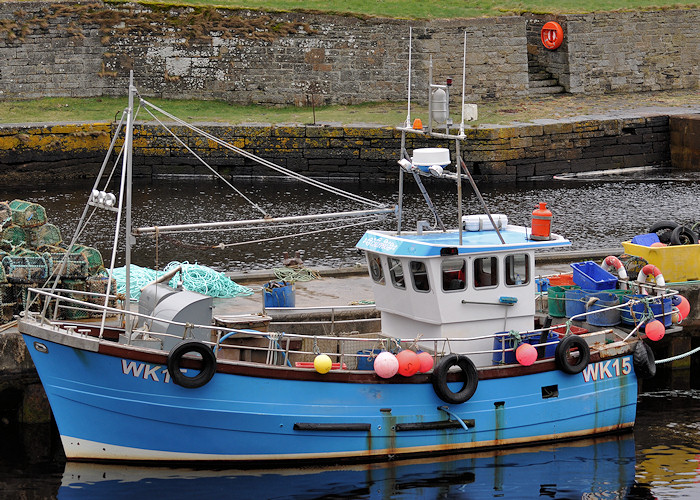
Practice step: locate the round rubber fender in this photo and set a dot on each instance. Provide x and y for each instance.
(561, 354)
(683, 236)
(208, 364)
(651, 270)
(667, 226)
(643, 361)
(469, 374)
(611, 262)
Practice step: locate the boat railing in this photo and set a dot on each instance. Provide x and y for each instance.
(71, 314)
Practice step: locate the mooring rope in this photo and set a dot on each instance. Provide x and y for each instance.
(680, 356)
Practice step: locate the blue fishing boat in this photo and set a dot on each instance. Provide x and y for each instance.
(464, 360)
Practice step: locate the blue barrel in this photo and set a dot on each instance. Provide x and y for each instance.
(279, 294)
(661, 308)
(575, 302)
(604, 318)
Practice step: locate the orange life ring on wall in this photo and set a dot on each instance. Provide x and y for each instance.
(552, 35)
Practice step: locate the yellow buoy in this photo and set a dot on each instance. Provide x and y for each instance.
(322, 363)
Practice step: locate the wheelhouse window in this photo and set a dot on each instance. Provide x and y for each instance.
(517, 269)
(396, 273)
(375, 268)
(454, 272)
(419, 274)
(485, 272)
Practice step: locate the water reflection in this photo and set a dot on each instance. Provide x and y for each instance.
(602, 468)
(590, 213)
(661, 459)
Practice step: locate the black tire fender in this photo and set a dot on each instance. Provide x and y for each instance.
(208, 364)
(469, 374)
(667, 226)
(561, 354)
(683, 236)
(643, 360)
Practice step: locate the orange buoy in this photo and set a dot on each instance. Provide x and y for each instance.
(541, 223)
(552, 35)
(417, 124)
(408, 362)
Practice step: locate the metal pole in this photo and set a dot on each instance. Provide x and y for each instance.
(399, 214)
(271, 220)
(128, 158)
(483, 203)
(459, 190)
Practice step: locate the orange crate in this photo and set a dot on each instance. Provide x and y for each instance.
(561, 280)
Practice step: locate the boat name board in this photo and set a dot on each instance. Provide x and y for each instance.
(378, 243)
(146, 371)
(607, 369)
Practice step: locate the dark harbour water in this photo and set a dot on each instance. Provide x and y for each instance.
(590, 213)
(659, 459)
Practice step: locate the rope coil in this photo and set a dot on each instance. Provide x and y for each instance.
(194, 277)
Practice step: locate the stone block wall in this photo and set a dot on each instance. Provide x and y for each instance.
(245, 57)
(540, 151)
(498, 154)
(241, 56)
(633, 51)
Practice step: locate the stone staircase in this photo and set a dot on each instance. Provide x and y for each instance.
(541, 81)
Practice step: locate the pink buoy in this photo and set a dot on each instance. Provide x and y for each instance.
(683, 307)
(526, 354)
(426, 362)
(408, 362)
(386, 365)
(655, 330)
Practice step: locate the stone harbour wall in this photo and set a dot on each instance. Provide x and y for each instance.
(497, 154)
(242, 56)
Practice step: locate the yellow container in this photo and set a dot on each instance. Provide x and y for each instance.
(676, 262)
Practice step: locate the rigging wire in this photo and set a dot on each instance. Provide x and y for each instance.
(267, 163)
(180, 141)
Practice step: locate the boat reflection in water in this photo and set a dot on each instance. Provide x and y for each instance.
(592, 468)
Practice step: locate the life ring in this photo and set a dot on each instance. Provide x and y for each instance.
(561, 354)
(471, 379)
(208, 364)
(552, 35)
(651, 270)
(613, 262)
(684, 236)
(643, 361)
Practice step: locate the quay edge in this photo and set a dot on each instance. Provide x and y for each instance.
(514, 153)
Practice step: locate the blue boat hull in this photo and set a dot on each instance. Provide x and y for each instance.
(118, 405)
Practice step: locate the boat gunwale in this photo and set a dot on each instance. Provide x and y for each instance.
(253, 369)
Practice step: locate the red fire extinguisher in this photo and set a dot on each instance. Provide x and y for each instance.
(541, 223)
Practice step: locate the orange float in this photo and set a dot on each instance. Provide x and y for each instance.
(552, 35)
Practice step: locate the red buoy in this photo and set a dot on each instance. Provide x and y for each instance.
(552, 35)
(541, 223)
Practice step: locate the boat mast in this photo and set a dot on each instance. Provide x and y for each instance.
(127, 165)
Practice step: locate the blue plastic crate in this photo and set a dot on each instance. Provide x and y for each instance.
(590, 276)
(645, 240)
